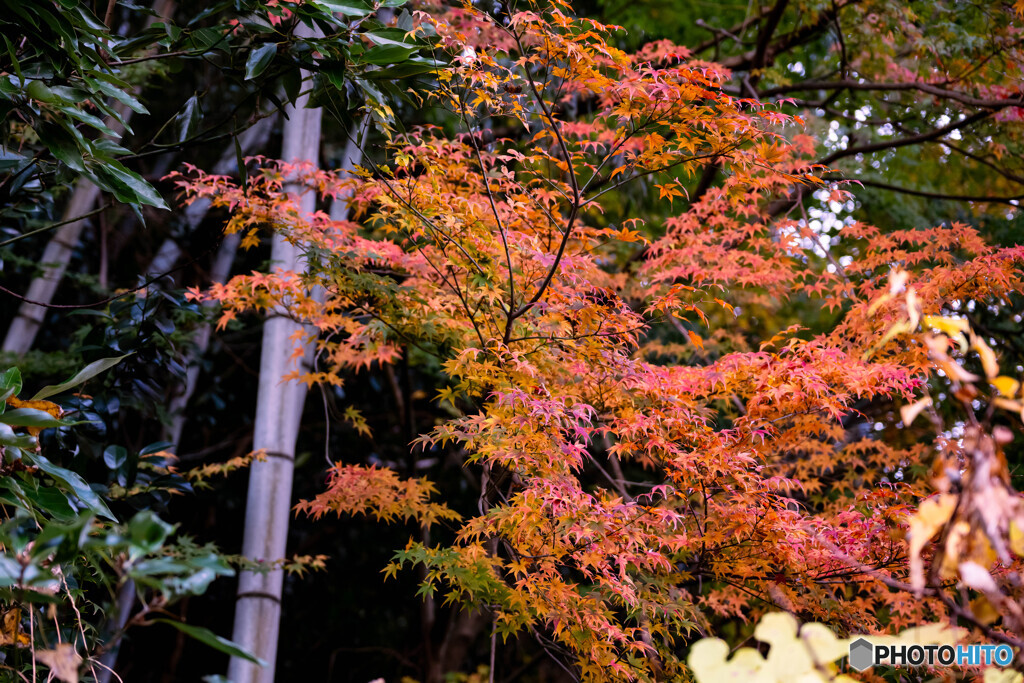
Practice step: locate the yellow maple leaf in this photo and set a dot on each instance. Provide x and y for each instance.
(929, 518)
(988, 357)
(1017, 537)
(63, 662)
(10, 629)
(954, 328)
(1007, 386)
(909, 412)
(46, 406)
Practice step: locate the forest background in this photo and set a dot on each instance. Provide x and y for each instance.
(791, 333)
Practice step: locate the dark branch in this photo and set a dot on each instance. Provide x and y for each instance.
(905, 141)
(939, 195)
(870, 86)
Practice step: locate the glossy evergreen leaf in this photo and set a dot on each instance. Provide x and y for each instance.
(208, 637)
(85, 374)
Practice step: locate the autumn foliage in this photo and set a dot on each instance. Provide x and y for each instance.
(645, 472)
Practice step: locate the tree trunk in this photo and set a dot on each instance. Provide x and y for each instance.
(22, 332)
(167, 255)
(278, 409)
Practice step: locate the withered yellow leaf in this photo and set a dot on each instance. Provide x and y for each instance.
(1007, 404)
(1007, 386)
(954, 328)
(988, 357)
(11, 632)
(1017, 537)
(909, 412)
(45, 406)
(63, 662)
(957, 539)
(984, 611)
(931, 516)
(994, 675)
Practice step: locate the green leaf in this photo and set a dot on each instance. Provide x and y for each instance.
(209, 11)
(74, 482)
(83, 375)
(205, 635)
(147, 532)
(30, 417)
(117, 94)
(259, 59)
(90, 120)
(156, 447)
(142, 191)
(21, 11)
(115, 456)
(55, 532)
(205, 571)
(62, 146)
(188, 118)
(206, 39)
(404, 21)
(11, 571)
(46, 498)
(90, 20)
(291, 81)
(12, 56)
(387, 54)
(335, 73)
(390, 36)
(10, 440)
(74, 95)
(413, 67)
(155, 567)
(109, 148)
(349, 8)
(10, 385)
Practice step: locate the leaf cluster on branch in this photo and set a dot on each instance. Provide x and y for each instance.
(748, 485)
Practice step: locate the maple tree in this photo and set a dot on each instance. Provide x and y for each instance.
(681, 399)
(644, 474)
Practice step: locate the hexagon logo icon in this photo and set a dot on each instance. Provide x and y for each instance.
(862, 654)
